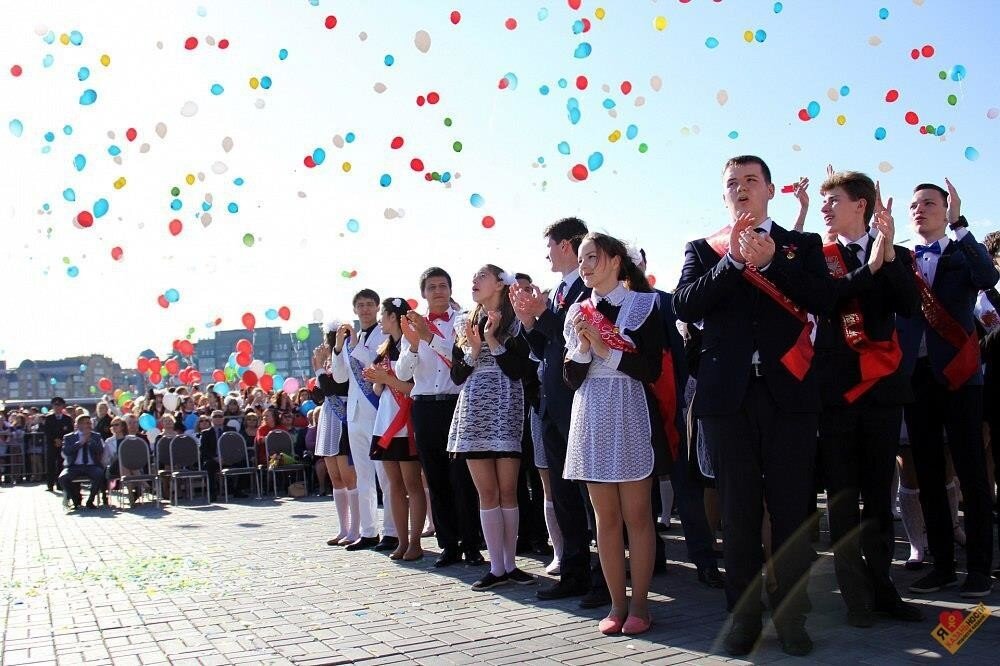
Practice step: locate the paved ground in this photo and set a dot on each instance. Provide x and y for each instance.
(254, 582)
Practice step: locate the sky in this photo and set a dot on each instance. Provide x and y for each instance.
(279, 233)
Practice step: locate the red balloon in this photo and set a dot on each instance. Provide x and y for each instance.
(154, 365)
(249, 321)
(581, 82)
(914, 54)
(186, 347)
(503, 83)
(191, 43)
(218, 375)
(194, 377)
(580, 172)
(510, 23)
(244, 345)
(574, 4)
(162, 300)
(84, 218)
(183, 375)
(651, 279)
(311, 384)
(456, 16)
(172, 366)
(626, 87)
(804, 115)
(420, 100)
(175, 227)
(433, 98)
(397, 143)
(284, 312)
(489, 222)
(116, 253)
(912, 118)
(892, 95)
(309, 161)
(104, 384)
(927, 51)
(250, 378)
(174, 344)
(130, 134)
(142, 364)
(586, 24)
(412, 302)
(417, 164)
(267, 382)
(223, 44)
(243, 359)
(16, 70)
(330, 22)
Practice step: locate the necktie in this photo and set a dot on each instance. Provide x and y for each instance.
(854, 248)
(218, 434)
(760, 230)
(852, 260)
(933, 248)
(560, 298)
(86, 453)
(438, 316)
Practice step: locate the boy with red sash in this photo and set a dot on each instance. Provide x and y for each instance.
(758, 403)
(863, 388)
(941, 350)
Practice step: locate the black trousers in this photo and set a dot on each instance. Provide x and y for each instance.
(53, 464)
(95, 473)
(937, 411)
(454, 500)
(571, 513)
(764, 453)
(857, 452)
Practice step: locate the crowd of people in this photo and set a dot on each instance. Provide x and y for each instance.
(784, 363)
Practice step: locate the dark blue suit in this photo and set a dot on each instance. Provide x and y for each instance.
(547, 343)
(92, 467)
(963, 268)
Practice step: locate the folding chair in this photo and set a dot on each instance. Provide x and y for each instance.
(133, 454)
(185, 464)
(280, 441)
(234, 461)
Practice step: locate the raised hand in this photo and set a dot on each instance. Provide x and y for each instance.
(582, 332)
(877, 254)
(492, 328)
(410, 333)
(472, 337)
(529, 303)
(829, 170)
(884, 223)
(744, 221)
(800, 190)
(419, 325)
(757, 249)
(376, 374)
(954, 203)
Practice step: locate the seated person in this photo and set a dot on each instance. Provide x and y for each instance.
(82, 451)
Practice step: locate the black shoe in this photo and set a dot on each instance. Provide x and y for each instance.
(563, 589)
(975, 585)
(363, 543)
(387, 543)
(860, 616)
(541, 548)
(741, 637)
(474, 558)
(239, 494)
(448, 557)
(934, 581)
(900, 610)
(489, 581)
(712, 577)
(596, 597)
(794, 639)
(662, 527)
(519, 577)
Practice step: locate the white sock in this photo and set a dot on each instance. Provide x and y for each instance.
(953, 497)
(555, 534)
(429, 523)
(511, 518)
(894, 494)
(913, 522)
(666, 500)
(492, 520)
(353, 503)
(340, 500)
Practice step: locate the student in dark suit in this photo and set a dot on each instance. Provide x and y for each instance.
(57, 424)
(543, 321)
(758, 402)
(863, 388)
(989, 299)
(82, 453)
(941, 350)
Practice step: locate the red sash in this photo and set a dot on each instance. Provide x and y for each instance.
(663, 389)
(402, 418)
(878, 359)
(799, 357)
(437, 331)
(966, 361)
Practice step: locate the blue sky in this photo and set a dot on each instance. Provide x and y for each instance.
(298, 217)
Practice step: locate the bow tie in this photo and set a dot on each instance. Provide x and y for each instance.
(933, 248)
(438, 316)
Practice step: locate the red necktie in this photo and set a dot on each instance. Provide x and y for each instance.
(438, 316)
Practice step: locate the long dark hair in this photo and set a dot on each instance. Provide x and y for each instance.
(628, 272)
(389, 346)
(507, 315)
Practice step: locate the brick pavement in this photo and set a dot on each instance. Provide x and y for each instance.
(253, 582)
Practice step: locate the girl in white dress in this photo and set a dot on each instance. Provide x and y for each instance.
(614, 348)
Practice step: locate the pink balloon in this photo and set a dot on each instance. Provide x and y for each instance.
(290, 386)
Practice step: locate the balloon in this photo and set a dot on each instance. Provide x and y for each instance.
(249, 321)
(302, 334)
(249, 378)
(711, 42)
(307, 407)
(185, 347)
(171, 366)
(456, 16)
(171, 401)
(813, 109)
(879, 133)
(221, 388)
(257, 366)
(142, 364)
(243, 359)
(147, 422)
(154, 365)
(488, 222)
(284, 312)
(422, 40)
(279, 380)
(104, 384)
(218, 375)
(123, 398)
(172, 295)
(270, 368)
(579, 172)
(244, 345)
(175, 227)
(595, 161)
(971, 154)
(477, 200)
(271, 314)
(290, 385)
(190, 421)
(267, 382)
(563, 148)
(311, 384)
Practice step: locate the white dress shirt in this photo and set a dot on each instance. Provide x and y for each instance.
(861, 242)
(430, 374)
(565, 285)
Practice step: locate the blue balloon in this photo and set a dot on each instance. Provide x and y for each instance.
(172, 295)
(282, 54)
(813, 109)
(388, 60)
(631, 132)
(477, 200)
(349, 137)
(190, 421)
(75, 38)
(72, 271)
(608, 103)
(562, 83)
(271, 313)
(385, 180)
(711, 42)
(583, 50)
(88, 97)
(577, 27)
(221, 388)
(971, 154)
(734, 134)
(760, 35)
(67, 129)
(879, 133)
(83, 73)
(265, 82)
(958, 72)
(16, 127)
(233, 207)
(353, 225)
(844, 91)
(543, 13)
(883, 13)
(69, 194)
(147, 421)
(544, 90)
(217, 89)
(778, 7)
(48, 60)
(279, 380)
(574, 116)
(49, 136)
(308, 406)
(563, 148)
(595, 161)
(100, 208)
(319, 156)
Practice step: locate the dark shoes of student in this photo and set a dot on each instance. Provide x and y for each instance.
(860, 616)
(566, 587)
(596, 597)
(448, 557)
(900, 610)
(976, 585)
(934, 581)
(711, 577)
(794, 639)
(488, 582)
(363, 543)
(741, 637)
(389, 543)
(474, 558)
(520, 578)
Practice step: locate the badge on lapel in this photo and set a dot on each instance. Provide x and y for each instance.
(789, 250)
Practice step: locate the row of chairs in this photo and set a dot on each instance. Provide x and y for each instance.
(178, 459)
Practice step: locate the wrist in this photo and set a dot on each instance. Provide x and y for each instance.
(959, 223)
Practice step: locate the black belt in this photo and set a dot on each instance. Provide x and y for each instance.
(435, 397)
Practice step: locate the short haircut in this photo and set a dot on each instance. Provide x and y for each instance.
(523, 276)
(742, 160)
(992, 242)
(365, 293)
(433, 272)
(931, 186)
(81, 418)
(571, 229)
(857, 185)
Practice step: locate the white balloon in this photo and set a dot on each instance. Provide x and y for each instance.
(422, 40)
(257, 366)
(171, 401)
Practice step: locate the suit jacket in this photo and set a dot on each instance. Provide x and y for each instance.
(547, 343)
(71, 446)
(892, 291)
(963, 268)
(673, 343)
(56, 429)
(739, 318)
(208, 443)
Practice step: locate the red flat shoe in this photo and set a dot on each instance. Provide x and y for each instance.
(635, 625)
(610, 625)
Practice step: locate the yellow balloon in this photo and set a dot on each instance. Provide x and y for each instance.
(614, 136)
(105, 60)
(254, 82)
(346, 166)
(748, 36)
(841, 120)
(120, 183)
(660, 23)
(189, 179)
(599, 13)
(64, 39)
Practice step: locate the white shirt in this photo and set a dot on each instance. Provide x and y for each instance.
(861, 242)
(364, 351)
(388, 408)
(927, 264)
(430, 374)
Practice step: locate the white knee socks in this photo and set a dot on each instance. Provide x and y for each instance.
(511, 519)
(341, 502)
(555, 535)
(353, 503)
(493, 532)
(913, 522)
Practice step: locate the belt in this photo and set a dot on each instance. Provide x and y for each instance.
(435, 397)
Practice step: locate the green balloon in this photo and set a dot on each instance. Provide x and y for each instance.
(248, 240)
(93, 389)
(643, 147)
(123, 397)
(230, 373)
(163, 372)
(457, 146)
(270, 368)
(302, 334)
